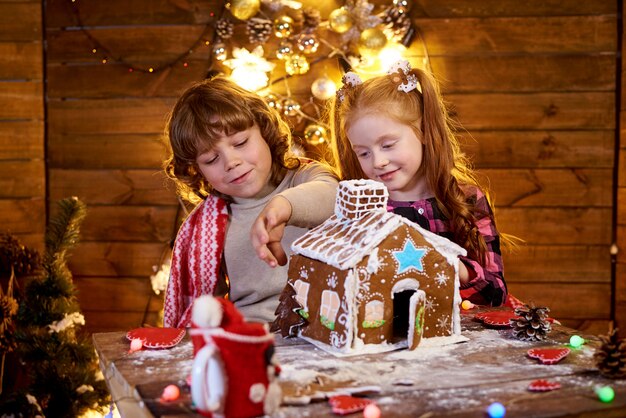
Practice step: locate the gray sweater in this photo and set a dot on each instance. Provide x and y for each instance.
(255, 286)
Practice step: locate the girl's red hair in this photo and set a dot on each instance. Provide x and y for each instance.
(446, 168)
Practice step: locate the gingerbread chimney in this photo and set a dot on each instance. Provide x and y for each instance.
(356, 198)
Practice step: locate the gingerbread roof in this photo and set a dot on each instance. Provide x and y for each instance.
(360, 223)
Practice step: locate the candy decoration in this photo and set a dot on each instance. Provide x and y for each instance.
(496, 410)
(548, 355)
(576, 341)
(135, 345)
(542, 385)
(371, 411)
(170, 393)
(157, 337)
(346, 404)
(496, 318)
(605, 393)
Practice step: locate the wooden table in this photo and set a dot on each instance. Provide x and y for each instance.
(457, 380)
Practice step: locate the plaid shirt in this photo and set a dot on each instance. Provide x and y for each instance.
(486, 285)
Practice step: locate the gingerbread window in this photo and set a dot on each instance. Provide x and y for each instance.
(329, 308)
(374, 314)
(302, 293)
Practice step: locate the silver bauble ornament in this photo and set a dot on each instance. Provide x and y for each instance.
(323, 88)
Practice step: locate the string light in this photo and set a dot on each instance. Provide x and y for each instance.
(576, 341)
(108, 55)
(606, 394)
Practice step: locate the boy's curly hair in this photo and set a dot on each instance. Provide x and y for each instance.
(209, 110)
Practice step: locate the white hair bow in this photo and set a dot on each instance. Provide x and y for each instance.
(400, 71)
(349, 80)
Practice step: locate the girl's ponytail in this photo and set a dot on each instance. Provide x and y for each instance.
(446, 168)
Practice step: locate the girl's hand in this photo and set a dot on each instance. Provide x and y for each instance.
(464, 275)
(268, 229)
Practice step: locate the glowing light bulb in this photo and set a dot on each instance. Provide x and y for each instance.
(391, 54)
(496, 410)
(605, 393)
(467, 305)
(576, 341)
(371, 411)
(170, 393)
(135, 345)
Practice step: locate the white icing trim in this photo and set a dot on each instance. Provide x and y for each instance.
(416, 298)
(219, 332)
(405, 284)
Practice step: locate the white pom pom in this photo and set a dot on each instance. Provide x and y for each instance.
(207, 312)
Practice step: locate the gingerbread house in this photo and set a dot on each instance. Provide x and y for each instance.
(368, 280)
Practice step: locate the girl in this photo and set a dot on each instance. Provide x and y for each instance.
(395, 129)
(230, 150)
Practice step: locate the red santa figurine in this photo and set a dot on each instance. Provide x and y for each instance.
(233, 373)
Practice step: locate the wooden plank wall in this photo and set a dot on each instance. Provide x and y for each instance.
(533, 82)
(22, 167)
(620, 267)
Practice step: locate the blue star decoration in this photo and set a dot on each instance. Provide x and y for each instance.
(410, 257)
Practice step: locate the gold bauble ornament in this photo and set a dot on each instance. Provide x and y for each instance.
(296, 65)
(372, 41)
(315, 135)
(272, 101)
(244, 9)
(219, 51)
(340, 20)
(307, 43)
(402, 5)
(290, 107)
(284, 50)
(283, 26)
(323, 88)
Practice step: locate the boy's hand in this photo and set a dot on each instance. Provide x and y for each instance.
(268, 229)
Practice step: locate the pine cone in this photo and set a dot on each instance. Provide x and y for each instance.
(396, 22)
(611, 356)
(533, 324)
(259, 30)
(224, 28)
(13, 254)
(311, 19)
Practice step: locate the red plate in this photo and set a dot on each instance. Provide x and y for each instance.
(157, 337)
